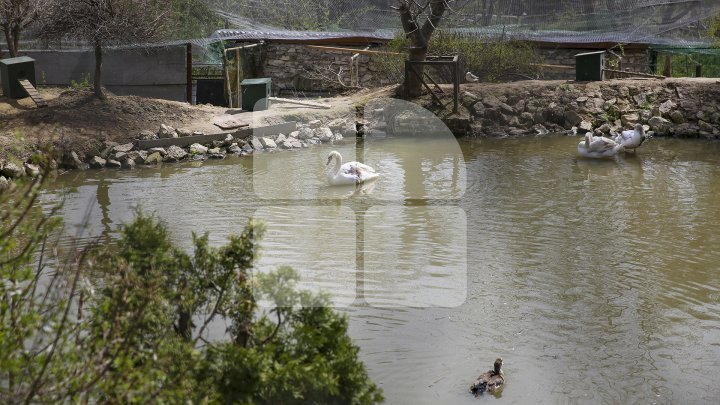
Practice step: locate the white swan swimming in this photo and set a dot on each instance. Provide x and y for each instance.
(598, 147)
(631, 139)
(348, 173)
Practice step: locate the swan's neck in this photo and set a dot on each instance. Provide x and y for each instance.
(587, 142)
(338, 163)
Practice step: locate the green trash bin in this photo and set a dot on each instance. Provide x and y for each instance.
(589, 66)
(255, 94)
(14, 69)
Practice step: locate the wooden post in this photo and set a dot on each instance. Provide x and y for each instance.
(189, 76)
(238, 102)
(698, 71)
(667, 70)
(227, 79)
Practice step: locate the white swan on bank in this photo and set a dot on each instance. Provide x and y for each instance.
(471, 78)
(598, 147)
(631, 139)
(349, 173)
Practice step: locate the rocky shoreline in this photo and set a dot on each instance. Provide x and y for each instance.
(688, 108)
(129, 156)
(681, 108)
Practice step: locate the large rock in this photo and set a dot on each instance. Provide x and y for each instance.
(161, 151)
(256, 144)
(686, 130)
(197, 149)
(585, 126)
(153, 159)
(12, 171)
(268, 143)
(4, 183)
(304, 133)
(280, 139)
(128, 164)
(73, 161)
(235, 149)
(659, 125)
(324, 134)
(677, 117)
(629, 119)
(146, 135)
(572, 117)
(228, 141)
(184, 132)
(705, 127)
(337, 124)
(125, 148)
(32, 170)
(216, 153)
(175, 154)
(167, 131)
(138, 156)
(113, 164)
(97, 162)
(350, 129)
(314, 124)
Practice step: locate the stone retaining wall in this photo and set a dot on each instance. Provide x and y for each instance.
(296, 67)
(671, 107)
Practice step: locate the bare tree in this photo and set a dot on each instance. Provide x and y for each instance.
(15, 17)
(106, 23)
(419, 21)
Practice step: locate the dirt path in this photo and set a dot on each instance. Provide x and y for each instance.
(75, 120)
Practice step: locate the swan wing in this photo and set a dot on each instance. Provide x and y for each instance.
(602, 144)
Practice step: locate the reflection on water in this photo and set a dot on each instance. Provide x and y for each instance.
(596, 281)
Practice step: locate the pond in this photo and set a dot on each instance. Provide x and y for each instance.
(595, 281)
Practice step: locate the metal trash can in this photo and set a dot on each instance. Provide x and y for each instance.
(255, 94)
(14, 69)
(589, 66)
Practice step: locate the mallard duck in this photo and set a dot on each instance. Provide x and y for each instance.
(348, 173)
(598, 147)
(489, 381)
(631, 139)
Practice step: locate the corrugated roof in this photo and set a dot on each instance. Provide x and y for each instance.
(303, 36)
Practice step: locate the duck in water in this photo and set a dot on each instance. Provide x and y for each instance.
(489, 381)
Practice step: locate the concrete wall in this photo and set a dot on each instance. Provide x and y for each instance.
(158, 72)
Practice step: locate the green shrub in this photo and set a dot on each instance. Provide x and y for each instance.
(492, 60)
(128, 322)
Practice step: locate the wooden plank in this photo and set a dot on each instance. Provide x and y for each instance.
(228, 123)
(284, 128)
(298, 102)
(360, 51)
(624, 72)
(33, 93)
(182, 141)
(565, 67)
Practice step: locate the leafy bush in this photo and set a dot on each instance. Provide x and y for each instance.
(492, 60)
(142, 336)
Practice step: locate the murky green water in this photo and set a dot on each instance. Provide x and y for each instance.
(596, 281)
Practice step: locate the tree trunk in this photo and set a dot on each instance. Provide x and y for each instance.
(419, 39)
(15, 42)
(97, 81)
(412, 81)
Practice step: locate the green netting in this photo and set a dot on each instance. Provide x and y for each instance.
(678, 23)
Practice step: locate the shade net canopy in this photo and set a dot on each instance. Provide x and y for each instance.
(675, 23)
